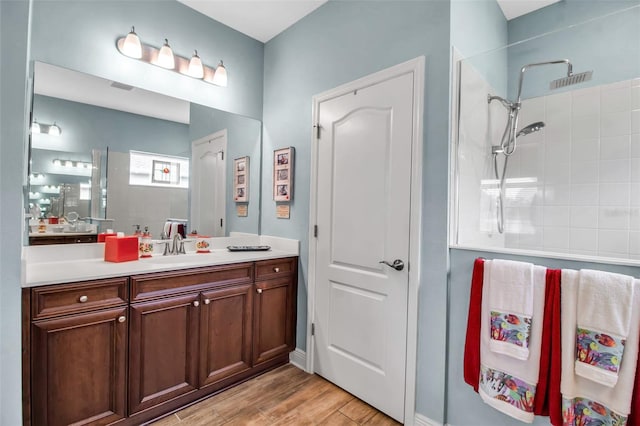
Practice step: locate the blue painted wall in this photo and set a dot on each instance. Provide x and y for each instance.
(243, 139)
(338, 43)
(81, 35)
(14, 27)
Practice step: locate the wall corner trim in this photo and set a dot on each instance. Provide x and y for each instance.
(298, 358)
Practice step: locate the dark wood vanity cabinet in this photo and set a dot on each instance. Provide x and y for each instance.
(128, 350)
(163, 346)
(274, 309)
(78, 361)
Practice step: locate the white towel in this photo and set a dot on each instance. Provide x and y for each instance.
(579, 393)
(506, 383)
(511, 306)
(603, 318)
(167, 229)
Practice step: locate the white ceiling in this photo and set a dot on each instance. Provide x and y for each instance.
(514, 8)
(259, 19)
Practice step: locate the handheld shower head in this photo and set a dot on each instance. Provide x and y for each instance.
(531, 128)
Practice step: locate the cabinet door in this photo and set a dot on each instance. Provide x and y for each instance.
(225, 333)
(163, 344)
(78, 368)
(273, 319)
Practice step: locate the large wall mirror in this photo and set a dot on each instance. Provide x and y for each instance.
(105, 155)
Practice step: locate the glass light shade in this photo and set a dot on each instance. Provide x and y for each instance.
(165, 56)
(196, 69)
(54, 130)
(220, 76)
(132, 46)
(35, 127)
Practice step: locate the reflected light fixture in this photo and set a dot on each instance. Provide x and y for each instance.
(49, 129)
(195, 66)
(54, 129)
(220, 76)
(132, 46)
(165, 58)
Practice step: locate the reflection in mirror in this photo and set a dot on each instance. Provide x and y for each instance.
(89, 169)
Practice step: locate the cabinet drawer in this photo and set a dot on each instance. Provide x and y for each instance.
(163, 284)
(78, 297)
(267, 269)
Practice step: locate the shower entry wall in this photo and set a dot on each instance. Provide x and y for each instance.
(547, 158)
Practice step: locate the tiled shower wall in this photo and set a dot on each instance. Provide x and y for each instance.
(573, 187)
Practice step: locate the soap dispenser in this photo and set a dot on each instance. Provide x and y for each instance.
(146, 243)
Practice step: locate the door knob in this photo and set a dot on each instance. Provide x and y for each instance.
(397, 264)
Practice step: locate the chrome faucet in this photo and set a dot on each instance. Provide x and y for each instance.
(177, 245)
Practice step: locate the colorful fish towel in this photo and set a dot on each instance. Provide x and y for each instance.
(511, 328)
(602, 324)
(584, 412)
(511, 294)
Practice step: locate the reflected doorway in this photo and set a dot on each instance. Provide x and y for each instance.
(208, 194)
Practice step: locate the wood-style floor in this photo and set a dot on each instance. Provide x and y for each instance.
(284, 396)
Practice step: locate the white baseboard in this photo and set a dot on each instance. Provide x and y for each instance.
(421, 420)
(298, 358)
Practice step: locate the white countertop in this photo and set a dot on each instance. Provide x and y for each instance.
(62, 264)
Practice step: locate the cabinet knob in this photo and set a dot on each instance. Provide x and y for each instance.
(122, 318)
(83, 299)
(207, 301)
(276, 269)
(196, 303)
(259, 291)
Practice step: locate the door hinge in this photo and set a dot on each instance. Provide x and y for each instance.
(315, 231)
(222, 152)
(221, 222)
(313, 329)
(317, 127)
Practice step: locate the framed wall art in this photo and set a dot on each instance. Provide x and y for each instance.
(241, 180)
(283, 174)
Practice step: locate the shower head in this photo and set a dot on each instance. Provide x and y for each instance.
(531, 128)
(570, 80)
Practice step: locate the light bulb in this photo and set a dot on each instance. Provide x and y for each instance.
(132, 46)
(54, 130)
(165, 56)
(57, 163)
(196, 70)
(220, 76)
(35, 127)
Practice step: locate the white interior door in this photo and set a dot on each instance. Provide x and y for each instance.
(363, 217)
(208, 191)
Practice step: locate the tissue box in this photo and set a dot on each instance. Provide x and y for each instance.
(121, 249)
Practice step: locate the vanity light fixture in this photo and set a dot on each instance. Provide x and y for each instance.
(51, 129)
(220, 77)
(196, 70)
(131, 45)
(165, 58)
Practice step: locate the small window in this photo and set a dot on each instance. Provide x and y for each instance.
(158, 170)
